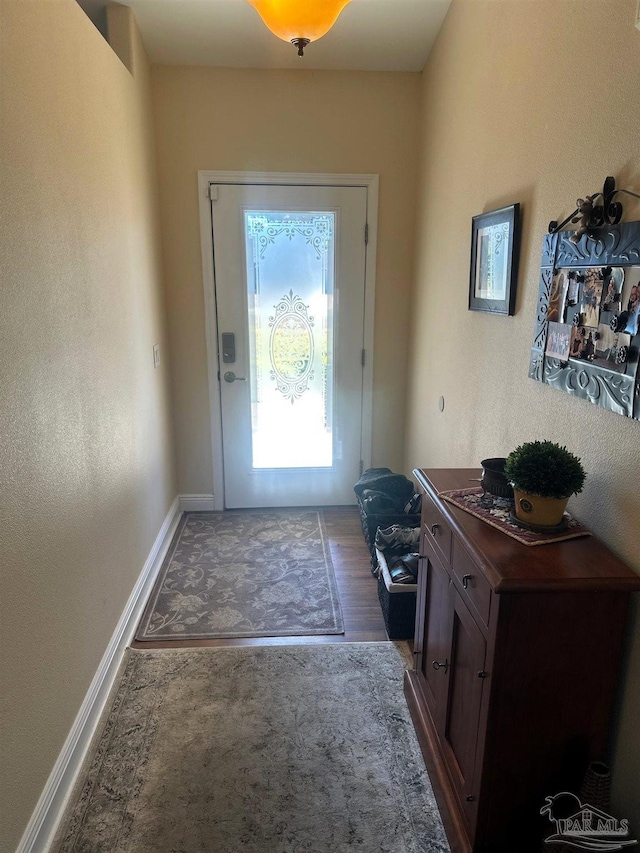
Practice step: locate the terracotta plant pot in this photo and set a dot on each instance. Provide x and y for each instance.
(534, 509)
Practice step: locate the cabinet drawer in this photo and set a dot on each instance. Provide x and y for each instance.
(435, 528)
(474, 585)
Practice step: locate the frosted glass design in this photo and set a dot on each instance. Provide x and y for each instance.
(290, 283)
(291, 347)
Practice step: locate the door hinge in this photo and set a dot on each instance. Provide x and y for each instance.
(366, 234)
(362, 357)
(213, 192)
(361, 467)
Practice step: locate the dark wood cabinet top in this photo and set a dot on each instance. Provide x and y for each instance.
(574, 565)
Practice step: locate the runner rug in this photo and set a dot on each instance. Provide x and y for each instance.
(500, 517)
(259, 749)
(245, 574)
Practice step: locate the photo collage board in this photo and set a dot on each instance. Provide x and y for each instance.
(586, 338)
(594, 316)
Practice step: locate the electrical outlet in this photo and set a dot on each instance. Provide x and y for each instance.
(156, 356)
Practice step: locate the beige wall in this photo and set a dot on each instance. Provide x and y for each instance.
(512, 109)
(283, 121)
(86, 451)
(533, 102)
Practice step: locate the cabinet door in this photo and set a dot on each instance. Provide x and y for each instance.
(459, 736)
(433, 637)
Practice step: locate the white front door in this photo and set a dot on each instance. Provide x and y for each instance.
(289, 266)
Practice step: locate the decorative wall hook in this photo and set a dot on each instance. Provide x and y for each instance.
(590, 215)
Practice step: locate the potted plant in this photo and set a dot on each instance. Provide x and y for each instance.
(544, 475)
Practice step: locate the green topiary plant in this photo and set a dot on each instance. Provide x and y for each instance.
(546, 469)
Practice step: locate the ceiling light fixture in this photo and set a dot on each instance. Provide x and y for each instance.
(299, 21)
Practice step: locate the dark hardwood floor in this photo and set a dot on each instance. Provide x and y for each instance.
(357, 588)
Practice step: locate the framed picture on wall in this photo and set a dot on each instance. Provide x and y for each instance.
(495, 243)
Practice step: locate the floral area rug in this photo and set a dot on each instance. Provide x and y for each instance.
(262, 749)
(245, 574)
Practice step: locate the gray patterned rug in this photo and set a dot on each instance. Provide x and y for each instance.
(271, 749)
(245, 574)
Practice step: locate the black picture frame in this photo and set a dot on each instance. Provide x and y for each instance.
(492, 286)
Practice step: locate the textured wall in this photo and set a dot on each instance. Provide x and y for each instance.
(86, 445)
(533, 102)
(283, 121)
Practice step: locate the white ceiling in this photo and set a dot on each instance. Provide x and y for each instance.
(370, 35)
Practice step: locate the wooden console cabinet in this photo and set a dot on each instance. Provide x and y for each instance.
(516, 659)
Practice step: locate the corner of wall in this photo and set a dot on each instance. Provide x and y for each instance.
(121, 32)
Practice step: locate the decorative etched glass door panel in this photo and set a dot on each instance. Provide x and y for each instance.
(290, 282)
(289, 265)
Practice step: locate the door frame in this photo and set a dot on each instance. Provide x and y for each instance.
(205, 179)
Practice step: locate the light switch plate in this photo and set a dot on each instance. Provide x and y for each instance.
(156, 355)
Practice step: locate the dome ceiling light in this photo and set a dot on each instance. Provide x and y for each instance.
(299, 21)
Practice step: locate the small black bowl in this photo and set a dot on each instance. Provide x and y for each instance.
(494, 480)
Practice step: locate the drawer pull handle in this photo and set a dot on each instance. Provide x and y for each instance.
(482, 674)
(437, 665)
(465, 581)
(434, 527)
(470, 798)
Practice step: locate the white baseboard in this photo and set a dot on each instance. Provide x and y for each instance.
(198, 503)
(50, 807)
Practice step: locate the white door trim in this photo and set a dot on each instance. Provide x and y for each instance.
(205, 178)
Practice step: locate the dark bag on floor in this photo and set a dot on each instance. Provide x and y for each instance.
(373, 501)
(395, 486)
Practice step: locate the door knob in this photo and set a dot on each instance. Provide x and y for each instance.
(437, 665)
(231, 377)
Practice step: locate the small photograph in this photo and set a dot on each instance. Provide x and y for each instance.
(629, 318)
(629, 289)
(583, 343)
(559, 341)
(557, 298)
(573, 289)
(592, 297)
(612, 348)
(633, 322)
(613, 281)
(633, 310)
